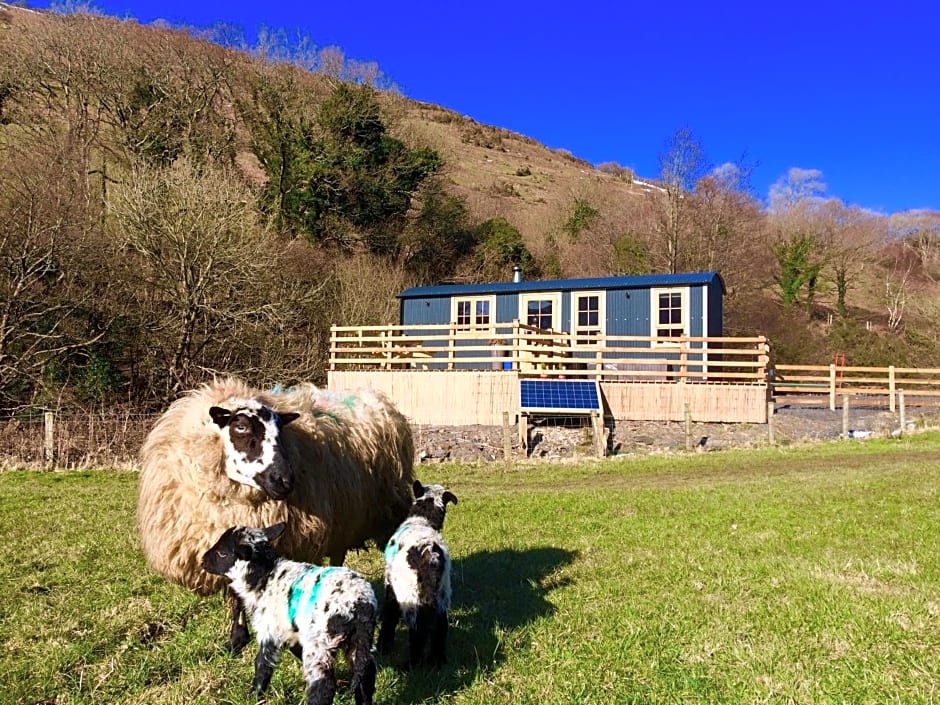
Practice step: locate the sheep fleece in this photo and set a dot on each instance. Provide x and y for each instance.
(352, 453)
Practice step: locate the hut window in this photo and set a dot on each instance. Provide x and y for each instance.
(542, 310)
(588, 324)
(670, 315)
(473, 312)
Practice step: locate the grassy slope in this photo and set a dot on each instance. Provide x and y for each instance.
(766, 576)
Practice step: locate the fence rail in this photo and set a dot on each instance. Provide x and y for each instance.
(533, 351)
(882, 385)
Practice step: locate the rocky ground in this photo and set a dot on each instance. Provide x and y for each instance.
(553, 440)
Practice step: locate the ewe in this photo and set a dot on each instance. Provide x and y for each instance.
(335, 467)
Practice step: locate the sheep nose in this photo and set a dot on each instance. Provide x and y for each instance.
(277, 481)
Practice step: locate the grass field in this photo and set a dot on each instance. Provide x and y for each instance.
(777, 576)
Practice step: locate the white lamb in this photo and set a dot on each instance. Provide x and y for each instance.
(312, 610)
(417, 578)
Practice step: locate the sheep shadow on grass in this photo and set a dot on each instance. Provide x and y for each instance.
(496, 594)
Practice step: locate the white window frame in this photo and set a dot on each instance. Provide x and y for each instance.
(601, 328)
(655, 293)
(554, 297)
(474, 327)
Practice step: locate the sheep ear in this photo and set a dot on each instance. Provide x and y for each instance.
(220, 416)
(449, 497)
(273, 532)
(287, 417)
(418, 489)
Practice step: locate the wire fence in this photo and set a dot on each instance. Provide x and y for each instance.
(73, 440)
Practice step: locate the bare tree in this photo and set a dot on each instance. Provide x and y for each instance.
(681, 165)
(366, 290)
(848, 236)
(919, 231)
(49, 296)
(727, 236)
(895, 298)
(207, 284)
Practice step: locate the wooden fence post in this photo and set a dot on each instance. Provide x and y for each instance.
(832, 387)
(688, 425)
(600, 442)
(507, 439)
(770, 423)
(48, 455)
(891, 389)
(845, 416)
(901, 411)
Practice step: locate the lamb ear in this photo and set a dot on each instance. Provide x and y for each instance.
(273, 532)
(287, 417)
(449, 497)
(220, 416)
(417, 488)
(242, 552)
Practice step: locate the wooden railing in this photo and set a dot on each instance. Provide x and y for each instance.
(529, 351)
(533, 351)
(807, 383)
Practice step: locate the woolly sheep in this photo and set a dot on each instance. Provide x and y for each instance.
(314, 611)
(335, 467)
(417, 578)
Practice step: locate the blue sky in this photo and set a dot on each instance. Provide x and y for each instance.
(849, 89)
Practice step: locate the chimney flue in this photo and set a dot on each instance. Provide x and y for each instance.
(516, 274)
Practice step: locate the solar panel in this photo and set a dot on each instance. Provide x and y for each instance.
(559, 395)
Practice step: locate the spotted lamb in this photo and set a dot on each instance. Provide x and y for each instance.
(417, 578)
(314, 611)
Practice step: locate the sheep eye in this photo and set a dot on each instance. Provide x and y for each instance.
(240, 427)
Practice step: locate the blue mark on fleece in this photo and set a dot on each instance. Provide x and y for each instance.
(306, 595)
(394, 543)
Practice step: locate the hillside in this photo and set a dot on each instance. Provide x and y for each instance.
(150, 174)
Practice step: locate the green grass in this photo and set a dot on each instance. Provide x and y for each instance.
(804, 575)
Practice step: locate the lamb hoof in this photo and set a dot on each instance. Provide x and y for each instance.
(239, 640)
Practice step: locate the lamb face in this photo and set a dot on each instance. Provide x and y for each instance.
(431, 503)
(251, 436)
(241, 543)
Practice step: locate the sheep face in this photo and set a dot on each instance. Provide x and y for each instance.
(251, 436)
(241, 543)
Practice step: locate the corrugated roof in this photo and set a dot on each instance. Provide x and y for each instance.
(633, 282)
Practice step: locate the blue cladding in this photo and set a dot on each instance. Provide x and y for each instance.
(559, 395)
(628, 306)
